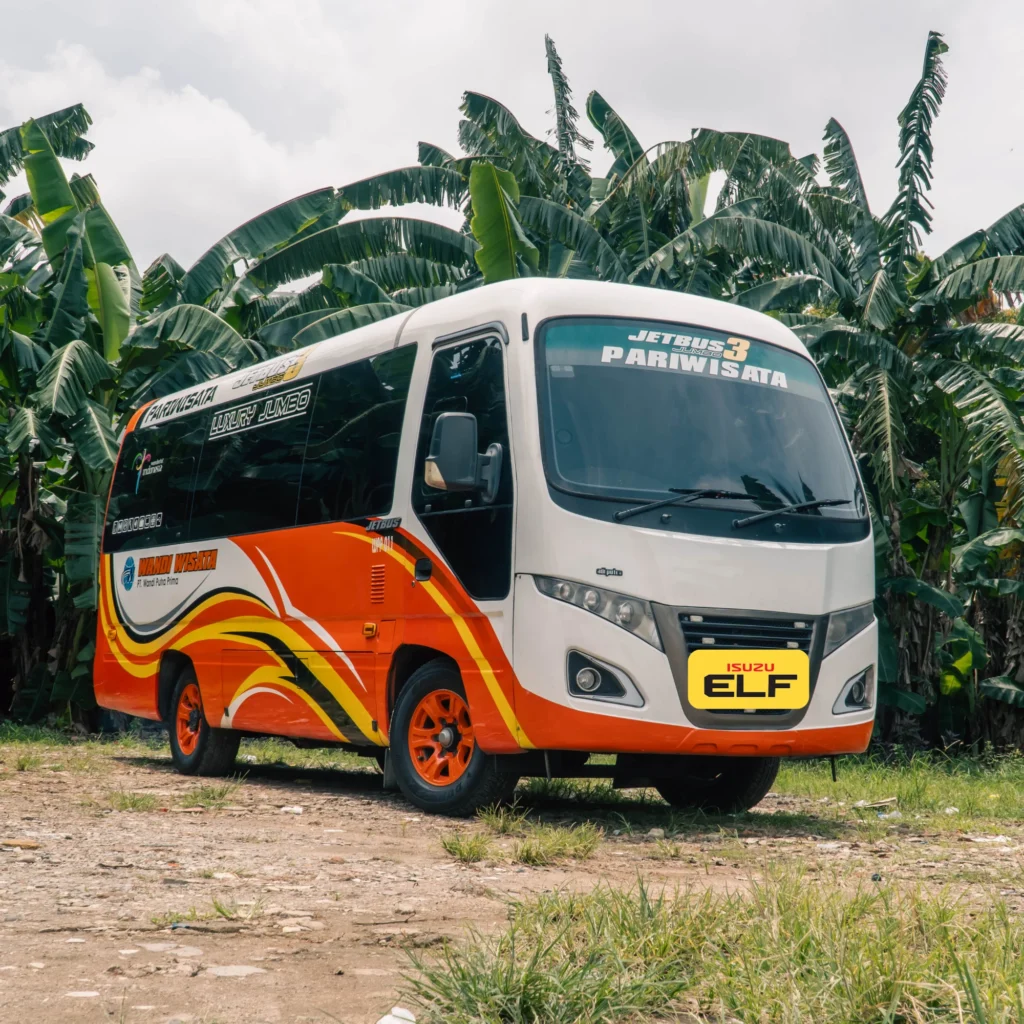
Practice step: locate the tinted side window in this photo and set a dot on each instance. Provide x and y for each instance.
(352, 452)
(475, 539)
(248, 479)
(151, 493)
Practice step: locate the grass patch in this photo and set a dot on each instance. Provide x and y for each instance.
(212, 794)
(272, 751)
(468, 847)
(503, 820)
(543, 843)
(792, 949)
(983, 786)
(127, 800)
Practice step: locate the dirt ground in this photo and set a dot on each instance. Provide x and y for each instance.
(257, 912)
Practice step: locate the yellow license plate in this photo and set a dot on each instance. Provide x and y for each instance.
(731, 680)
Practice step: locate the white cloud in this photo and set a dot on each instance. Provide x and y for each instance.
(206, 113)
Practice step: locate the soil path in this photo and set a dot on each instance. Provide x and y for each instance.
(255, 913)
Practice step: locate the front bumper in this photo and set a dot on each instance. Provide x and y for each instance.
(545, 629)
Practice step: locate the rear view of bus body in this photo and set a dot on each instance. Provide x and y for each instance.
(512, 528)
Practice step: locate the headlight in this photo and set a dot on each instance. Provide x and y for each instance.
(846, 624)
(630, 613)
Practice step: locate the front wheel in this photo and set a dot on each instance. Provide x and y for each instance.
(196, 747)
(719, 785)
(438, 765)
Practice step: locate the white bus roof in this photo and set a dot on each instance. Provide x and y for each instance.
(538, 298)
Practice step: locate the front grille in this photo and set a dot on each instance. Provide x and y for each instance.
(704, 632)
(709, 632)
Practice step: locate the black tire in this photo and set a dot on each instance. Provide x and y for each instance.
(719, 785)
(480, 784)
(210, 751)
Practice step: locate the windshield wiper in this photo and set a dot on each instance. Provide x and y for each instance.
(804, 506)
(678, 499)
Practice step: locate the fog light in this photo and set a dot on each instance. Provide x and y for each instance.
(857, 694)
(588, 679)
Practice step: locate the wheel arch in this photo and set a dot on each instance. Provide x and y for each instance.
(405, 661)
(172, 664)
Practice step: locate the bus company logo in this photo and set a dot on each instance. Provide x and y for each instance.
(267, 410)
(155, 565)
(608, 572)
(183, 403)
(128, 573)
(195, 561)
(146, 465)
(277, 372)
(384, 526)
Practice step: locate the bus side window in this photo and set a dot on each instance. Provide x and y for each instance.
(248, 479)
(151, 492)
(352, 451)
(475, 539)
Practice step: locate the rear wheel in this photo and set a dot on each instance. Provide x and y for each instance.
(196, 747)
(438, 765)
(719, 785)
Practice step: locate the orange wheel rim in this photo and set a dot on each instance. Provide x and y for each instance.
(188, 718)
(441, 737)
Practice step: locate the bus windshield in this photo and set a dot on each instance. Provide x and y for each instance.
(634, 410)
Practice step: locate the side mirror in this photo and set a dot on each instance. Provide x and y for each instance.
(453, 463)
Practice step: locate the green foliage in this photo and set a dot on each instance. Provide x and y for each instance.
(495, 224)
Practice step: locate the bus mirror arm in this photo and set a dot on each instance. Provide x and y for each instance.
(490, 472)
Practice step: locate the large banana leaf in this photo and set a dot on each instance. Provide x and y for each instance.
(51, 194)
(971, 282)
(64, 128)
(738, 233)
(67, 305)
(316, 298)
(83, 528)
(111, 306)
(280, 334)
(67, 379)
(404, 271)
(439, 186)
(93, 436)
(947, 603)
(844, 174)
(29, 433)
(784, 293)
(881, 430)
(364, 239)
(909, 214)
(989, 411)
(879, 302)
(354, 288)
(345, 320)
(495, 224)
(618, 137)
(560, 224)
(190, 327)
(566, 116)
(255, 238)
(105, 241)
(492, 131)
(433, 156)
(177, 371)
(161, 282)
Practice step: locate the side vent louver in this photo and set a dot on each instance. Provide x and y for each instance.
(376, 584)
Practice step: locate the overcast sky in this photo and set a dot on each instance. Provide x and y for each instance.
(208, 111)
